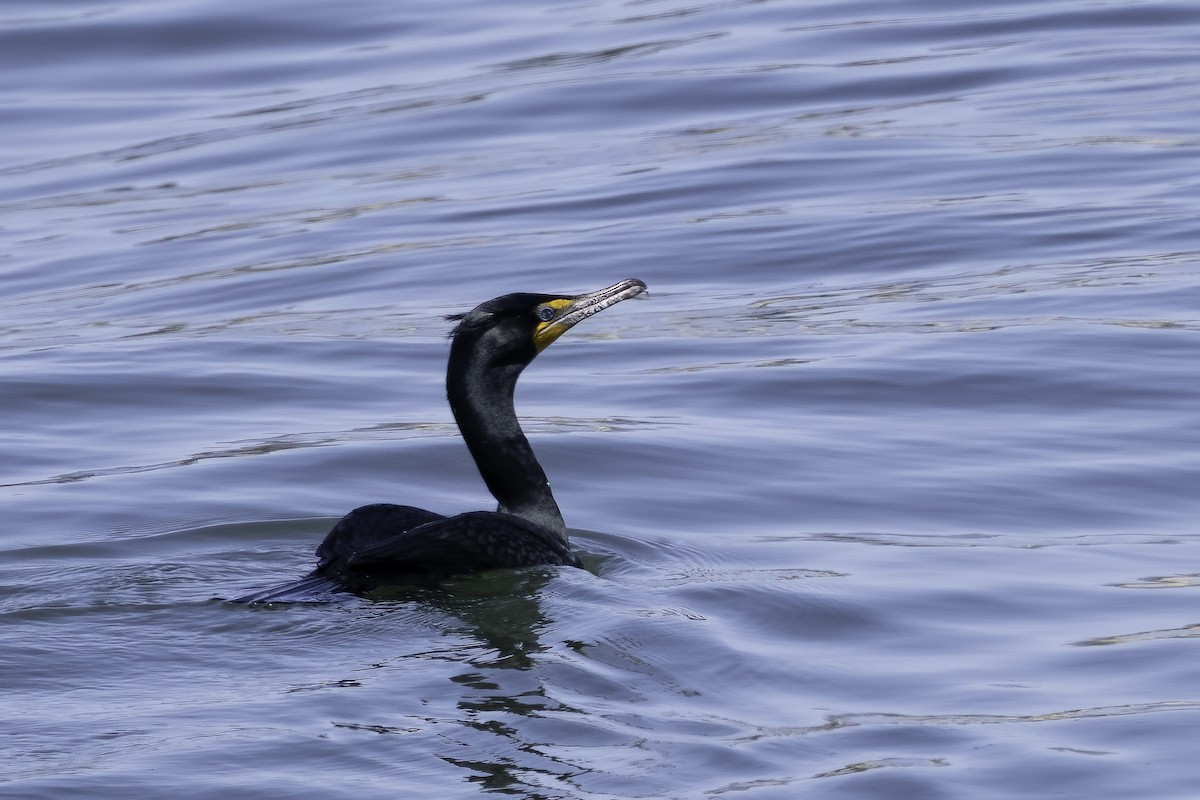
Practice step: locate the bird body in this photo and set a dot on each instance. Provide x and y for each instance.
(385, 544)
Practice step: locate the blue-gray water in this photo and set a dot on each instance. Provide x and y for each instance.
(889, 490)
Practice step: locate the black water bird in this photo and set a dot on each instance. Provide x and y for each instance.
(385, 544)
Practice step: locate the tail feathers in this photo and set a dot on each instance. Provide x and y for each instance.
(313, 589)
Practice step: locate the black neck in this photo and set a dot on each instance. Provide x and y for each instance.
(481, 397)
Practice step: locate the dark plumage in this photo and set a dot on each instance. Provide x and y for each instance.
(384, 544)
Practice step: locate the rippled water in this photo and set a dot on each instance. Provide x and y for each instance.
(888, 490)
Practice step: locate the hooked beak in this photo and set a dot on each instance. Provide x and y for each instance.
(576, 309)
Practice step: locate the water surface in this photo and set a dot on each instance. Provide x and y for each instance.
(887, 491)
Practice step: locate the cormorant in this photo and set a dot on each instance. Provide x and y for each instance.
(385, 544)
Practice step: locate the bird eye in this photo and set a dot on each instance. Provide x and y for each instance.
(545, 313)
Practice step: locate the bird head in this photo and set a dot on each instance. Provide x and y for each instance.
(511, 330)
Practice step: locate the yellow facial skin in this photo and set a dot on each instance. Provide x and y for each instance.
(547, 332)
